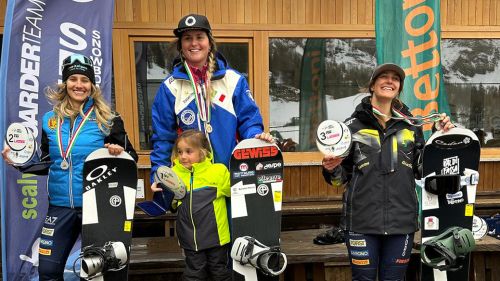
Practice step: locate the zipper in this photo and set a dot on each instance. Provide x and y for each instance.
(191, 208)
(350, 200)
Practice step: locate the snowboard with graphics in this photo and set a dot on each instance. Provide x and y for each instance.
(256, 169)
(450, 173)
(109, 191)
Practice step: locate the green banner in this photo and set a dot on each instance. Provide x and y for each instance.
(408, 34)
(312, 96)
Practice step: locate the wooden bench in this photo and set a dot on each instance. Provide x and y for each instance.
(160, 258)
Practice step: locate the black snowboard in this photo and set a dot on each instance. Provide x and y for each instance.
(256, 195)
(109, 191)
(456, 152)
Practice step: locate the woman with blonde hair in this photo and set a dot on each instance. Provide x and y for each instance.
(79, 123)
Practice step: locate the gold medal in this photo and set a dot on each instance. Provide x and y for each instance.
(208, 128)
(64, 164)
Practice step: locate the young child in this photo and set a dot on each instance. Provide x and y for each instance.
(202, 222)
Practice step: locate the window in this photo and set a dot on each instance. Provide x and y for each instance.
(327, 72)
(153, 63)
(471, 69)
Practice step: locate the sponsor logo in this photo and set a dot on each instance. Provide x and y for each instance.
(171, 80)
(268, 165)
(47, 231)
(99, 174)
(409, 165)
(465, 141)
(115, 200)
(52, 123)
(188, 117)
(243, 174)
(46, 242)
(402, 261)
(359, 253)
(451, 166)
(349, 122)
(50, 220)
(190, 21)
(45, 252)
(455, 201)
(431, 223)
(243, 167)
(357, 243)
(262, 190)
(268, 178)
(454, 195)
(360, 262)
(255, 152)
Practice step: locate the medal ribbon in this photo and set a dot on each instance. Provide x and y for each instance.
(414, 121)
(203, 108)
(72, 139)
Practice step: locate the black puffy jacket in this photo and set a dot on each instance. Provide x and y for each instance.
(380, 172)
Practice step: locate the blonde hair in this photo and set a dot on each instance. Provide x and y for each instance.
(212, 64)
(60, 100)
(195, 139)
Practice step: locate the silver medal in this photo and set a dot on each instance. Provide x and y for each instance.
(64, 164)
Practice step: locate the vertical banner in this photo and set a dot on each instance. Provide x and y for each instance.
(38, 35)
(312, 96)
(408, 34)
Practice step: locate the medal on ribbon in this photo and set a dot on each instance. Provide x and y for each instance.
(204, 110)
(73, 136)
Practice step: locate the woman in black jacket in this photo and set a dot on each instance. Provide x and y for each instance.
(380, 205)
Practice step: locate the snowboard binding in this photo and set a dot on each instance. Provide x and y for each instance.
(249, 251)
(98, 260)
(450, 184)
(450, 247)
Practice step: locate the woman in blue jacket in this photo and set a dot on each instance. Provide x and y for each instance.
(202, 93)
(79, 123)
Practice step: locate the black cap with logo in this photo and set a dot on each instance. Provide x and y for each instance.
(192, 22)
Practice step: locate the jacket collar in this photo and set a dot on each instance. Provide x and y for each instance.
(197, 167)
(220, 70)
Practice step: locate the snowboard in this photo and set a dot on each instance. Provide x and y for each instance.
(455, 152)
(109, 191)
(256, 169)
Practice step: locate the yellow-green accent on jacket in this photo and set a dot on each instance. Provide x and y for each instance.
(202, 221)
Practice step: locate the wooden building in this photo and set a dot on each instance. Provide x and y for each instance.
(251, 26)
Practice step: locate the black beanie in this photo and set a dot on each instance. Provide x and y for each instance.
(75, 66)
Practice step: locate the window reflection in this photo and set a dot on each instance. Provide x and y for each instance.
(471, 69)
(153, 63)
(345, 63)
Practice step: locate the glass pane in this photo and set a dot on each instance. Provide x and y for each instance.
(346, 65)
(471, 69)
(153, 63)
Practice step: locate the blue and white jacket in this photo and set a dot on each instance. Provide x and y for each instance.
(234, 113)
(65, 187)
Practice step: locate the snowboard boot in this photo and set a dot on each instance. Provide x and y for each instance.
(451, 246)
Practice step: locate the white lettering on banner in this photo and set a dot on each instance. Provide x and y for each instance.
(73, 40)
(30, 66)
